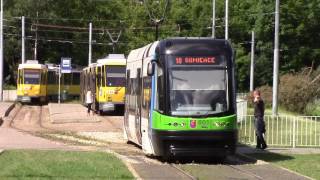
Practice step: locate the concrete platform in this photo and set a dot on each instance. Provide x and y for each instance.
(70, 113)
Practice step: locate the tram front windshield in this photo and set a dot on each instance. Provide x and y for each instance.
(31, 76)
(116, 76)
(198, 90)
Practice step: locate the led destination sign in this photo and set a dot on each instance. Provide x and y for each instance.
(188, 60)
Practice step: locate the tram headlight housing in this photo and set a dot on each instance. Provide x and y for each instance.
(221, 124)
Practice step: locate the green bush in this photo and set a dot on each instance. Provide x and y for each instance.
(296, 92)
(313, 108)
(9, 87)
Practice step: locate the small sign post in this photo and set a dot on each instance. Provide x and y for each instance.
(65, 67)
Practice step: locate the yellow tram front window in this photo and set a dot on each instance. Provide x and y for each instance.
(31, 76)
(116, 76)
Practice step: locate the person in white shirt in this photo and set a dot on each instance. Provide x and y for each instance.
(89, 100)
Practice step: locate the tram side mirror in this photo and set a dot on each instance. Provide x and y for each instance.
(151, 67)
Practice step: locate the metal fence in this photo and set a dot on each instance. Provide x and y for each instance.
(284, 131)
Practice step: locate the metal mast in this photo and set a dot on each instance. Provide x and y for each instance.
(23, 41)
(252, 63)
(213, 18)
(276, 62)
(90, 44)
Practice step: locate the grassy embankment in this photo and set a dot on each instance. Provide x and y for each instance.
(35, 164)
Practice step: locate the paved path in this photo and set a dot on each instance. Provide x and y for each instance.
(69, 113)
(14, 139)
(73, 117)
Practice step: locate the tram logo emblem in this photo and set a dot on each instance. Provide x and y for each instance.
(193, 123)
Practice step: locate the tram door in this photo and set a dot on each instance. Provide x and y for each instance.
(138, 106)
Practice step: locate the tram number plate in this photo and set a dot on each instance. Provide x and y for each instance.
(26, 98)
(110, 91)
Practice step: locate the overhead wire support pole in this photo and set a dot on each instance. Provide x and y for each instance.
(36, 40)
(114, 41)
(252, 63)
(90, 44)
(213, 18)
(156, 21)
(1, 51)
(23, 40)
(276, 62)
(227, 21)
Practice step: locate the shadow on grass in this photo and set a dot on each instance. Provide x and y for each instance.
(271, 157)
(264, 155)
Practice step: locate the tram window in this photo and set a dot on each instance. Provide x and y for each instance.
(128, 86)
(76, 78)
(51, 77)
(116, 76)
(160, 90)
(31, 76)
(67, 78)
(138, 82)
(104, 76)
(98, 75)
(20, 72)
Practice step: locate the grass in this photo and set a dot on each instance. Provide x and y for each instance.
(35, 164)
(306, 164)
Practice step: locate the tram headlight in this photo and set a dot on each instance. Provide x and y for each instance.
(221, 124)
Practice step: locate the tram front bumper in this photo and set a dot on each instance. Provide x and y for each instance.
(194, 143)
(106, 107)
(24, 99)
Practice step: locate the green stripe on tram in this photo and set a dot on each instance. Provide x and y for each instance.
(163, 122)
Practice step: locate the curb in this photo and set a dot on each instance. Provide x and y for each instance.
(9, 109)
(123, 159)
(6, 113)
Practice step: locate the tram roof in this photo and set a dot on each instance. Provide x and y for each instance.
(112, 59)
(32, 66)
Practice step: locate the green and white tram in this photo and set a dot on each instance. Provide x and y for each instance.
(180, 98)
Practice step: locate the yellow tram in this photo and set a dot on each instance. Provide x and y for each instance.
(106, 80)
(69, 83)
(32, 82)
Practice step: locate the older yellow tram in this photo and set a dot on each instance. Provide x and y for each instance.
(106, 80)
(32, 82)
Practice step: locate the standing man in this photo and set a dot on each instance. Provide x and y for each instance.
(89, 101)
(259, 121)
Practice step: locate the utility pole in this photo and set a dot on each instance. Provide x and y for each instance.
(36, 40)
(213, 18)
(22, 39)
(252, 63)
(227, 20)
(90, 44)
(276, 62)
(1, 52)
